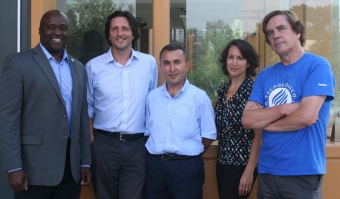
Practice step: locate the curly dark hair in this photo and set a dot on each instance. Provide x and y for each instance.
(247, 52)
(291, 18)
(132, 22)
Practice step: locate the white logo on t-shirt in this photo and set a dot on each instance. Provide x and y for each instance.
(319, 84)
(279, 96)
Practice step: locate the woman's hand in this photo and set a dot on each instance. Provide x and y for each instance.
(246, 182)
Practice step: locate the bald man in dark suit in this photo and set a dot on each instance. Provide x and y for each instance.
(44, 136)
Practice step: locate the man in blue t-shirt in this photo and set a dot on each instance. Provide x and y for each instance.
(291, 102)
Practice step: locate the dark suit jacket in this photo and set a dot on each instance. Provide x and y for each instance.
(33, 118)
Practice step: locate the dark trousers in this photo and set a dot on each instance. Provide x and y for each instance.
(289, 187)
(118, 167)
(177, 179)
(228, 179)
(66, 189)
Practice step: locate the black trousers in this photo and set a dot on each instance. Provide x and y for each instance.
(118, 169)
(228, 179)
(66, 189)
(174, 179)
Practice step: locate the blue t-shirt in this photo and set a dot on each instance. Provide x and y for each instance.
(300, 152)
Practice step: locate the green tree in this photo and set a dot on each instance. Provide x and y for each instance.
(206, 72)
(89, 15)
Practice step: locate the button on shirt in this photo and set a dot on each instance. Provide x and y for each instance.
(116, 94)
(177, 125)
(63, 74)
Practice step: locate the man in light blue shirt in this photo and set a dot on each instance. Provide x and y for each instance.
(180, 124)
(118, 83)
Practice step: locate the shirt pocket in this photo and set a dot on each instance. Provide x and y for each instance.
(185, 124)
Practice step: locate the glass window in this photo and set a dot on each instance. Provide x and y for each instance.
(208, 25)
(87, 21)
(204, 27)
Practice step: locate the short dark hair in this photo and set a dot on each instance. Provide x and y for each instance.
(132, 22)
(247, 52)
(173, 47)
(291, 18)
(46, 14)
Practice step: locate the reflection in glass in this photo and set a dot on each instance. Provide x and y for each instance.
(93, 45)
(204, 26)
(87, 17)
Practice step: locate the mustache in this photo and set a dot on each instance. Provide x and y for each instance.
(173, 73)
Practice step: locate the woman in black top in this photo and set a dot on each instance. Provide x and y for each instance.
(238, 148)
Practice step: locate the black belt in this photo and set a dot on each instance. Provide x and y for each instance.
(120, 135)
(173, 156)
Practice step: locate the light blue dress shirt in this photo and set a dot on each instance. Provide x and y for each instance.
(178, 124)
(116, 94)
(63, 74)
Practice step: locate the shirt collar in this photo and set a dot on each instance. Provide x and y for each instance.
(109, 58)
(165, 90)
(225, 86)
(49, 56)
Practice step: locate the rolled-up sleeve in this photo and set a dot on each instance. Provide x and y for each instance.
(207, 119)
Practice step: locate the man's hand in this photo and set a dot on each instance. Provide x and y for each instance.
(254, 105)
(18, 180)
(85, 175)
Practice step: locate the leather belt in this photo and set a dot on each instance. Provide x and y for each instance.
(120, 135)
(173, 156)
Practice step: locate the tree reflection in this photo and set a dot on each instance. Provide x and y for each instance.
(207, 46)
(319, 26)
(85, 16)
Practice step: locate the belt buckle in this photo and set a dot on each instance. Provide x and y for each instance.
(163, 157)
(120, 137)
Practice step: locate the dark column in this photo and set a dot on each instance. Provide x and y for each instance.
(8, 45)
